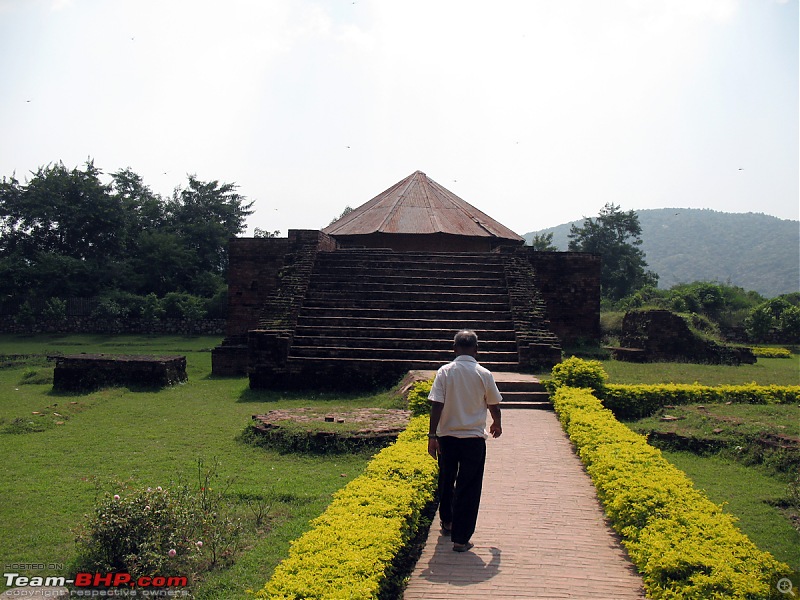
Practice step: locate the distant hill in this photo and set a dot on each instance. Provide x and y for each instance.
(754, 251)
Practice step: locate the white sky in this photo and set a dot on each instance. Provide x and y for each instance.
(538, 112)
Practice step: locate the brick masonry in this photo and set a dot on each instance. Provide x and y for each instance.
(570, 285)
(79, 372)
(552, 293)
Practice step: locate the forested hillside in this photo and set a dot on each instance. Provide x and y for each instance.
(753, 251)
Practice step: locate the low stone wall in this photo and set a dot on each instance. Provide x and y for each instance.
(82, 372)
(115, 326)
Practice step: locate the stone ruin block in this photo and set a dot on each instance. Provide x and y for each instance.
(83, 372)
(661, 335)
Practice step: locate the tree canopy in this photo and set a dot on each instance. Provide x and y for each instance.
(615, 236)
(66, 233)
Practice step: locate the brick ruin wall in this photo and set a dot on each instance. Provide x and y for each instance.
(260, 271)
(570, 285)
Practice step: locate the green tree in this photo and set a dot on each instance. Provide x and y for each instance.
(759, 323)
(60, 232)
(205, 215)
(789, 323)
(347, 210)
(543, 242)
(66, 233)
(615, 236)
(144, 209)
(70, 213)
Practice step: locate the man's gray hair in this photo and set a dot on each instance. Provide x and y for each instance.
(466, 339)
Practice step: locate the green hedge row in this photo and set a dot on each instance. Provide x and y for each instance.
(637, 401)
(682, 543)
(350, 550)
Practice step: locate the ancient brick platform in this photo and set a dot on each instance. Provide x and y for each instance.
(373, 427)
(82, 372)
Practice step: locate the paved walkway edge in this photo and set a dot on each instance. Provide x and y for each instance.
(541, 530)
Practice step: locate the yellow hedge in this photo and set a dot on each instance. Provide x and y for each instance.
(349, 551)
(682, 543)
(767, 352)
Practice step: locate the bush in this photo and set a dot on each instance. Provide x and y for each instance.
(418, 402)
(55, 310)
(179, 305)
(152, 310)
(683, 545)
(352, 548)
(159, 531)
(578, 373)
(25, 315)
(760, 352)
(108, 309)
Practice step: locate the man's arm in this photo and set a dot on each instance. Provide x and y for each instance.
(433, 442)
(496, 429)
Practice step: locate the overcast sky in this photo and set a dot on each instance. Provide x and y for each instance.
(538, 112)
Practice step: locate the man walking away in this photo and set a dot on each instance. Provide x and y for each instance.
(461, 393)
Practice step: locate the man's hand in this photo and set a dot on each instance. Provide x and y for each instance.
(433, 448)
(495, 429)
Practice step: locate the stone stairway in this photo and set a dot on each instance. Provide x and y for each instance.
(368, 316)
(404, 309)
(520, 390)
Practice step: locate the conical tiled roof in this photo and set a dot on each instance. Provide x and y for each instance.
(419, 205)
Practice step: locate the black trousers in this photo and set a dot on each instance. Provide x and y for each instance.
(461, 463)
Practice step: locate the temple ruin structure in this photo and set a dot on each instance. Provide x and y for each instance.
(384, 289)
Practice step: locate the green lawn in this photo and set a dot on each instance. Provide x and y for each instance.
(749, 494)
(766, 371)
(49, 479)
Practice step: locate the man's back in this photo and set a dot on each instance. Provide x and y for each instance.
(465, 388)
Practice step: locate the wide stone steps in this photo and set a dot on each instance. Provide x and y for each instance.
(333, 294)
(336, 364)
(394, 333)
(414, 323)
(313, 312)
(523, 393)
(477, 270)
(378, 256)
(397, 311)
(437, 356)
(401, 342)
(430, 286)
(495, 304)
(368, 275)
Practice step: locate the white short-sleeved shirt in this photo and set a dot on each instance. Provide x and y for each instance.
(466, 389)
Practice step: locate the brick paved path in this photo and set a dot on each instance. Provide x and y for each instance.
(541, 531)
